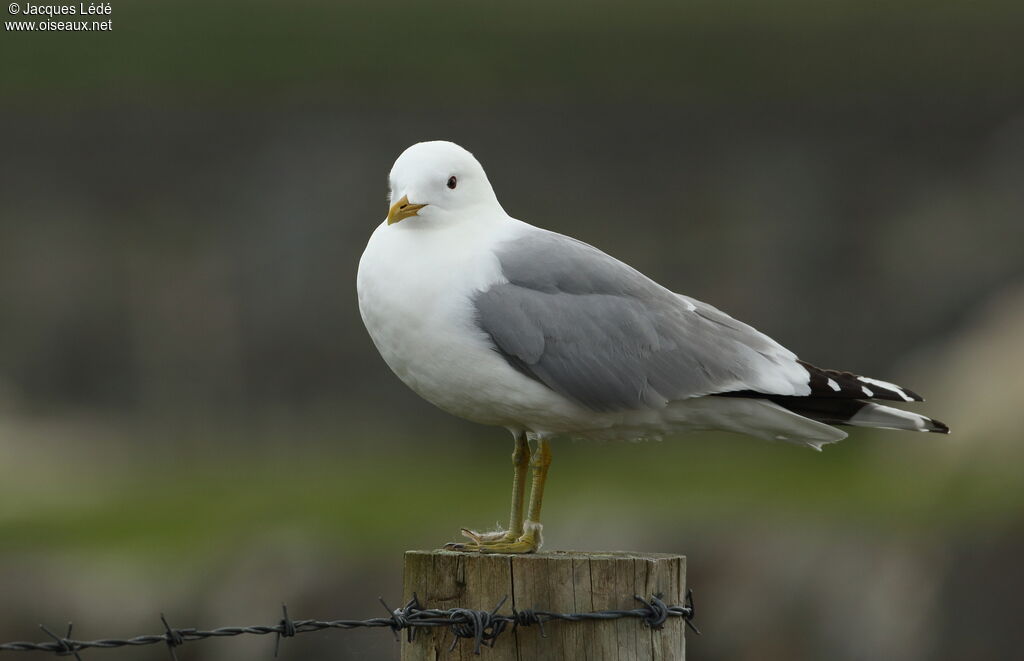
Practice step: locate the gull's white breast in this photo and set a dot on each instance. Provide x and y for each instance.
(415, 287)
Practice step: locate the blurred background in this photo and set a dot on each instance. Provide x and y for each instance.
(194, 421)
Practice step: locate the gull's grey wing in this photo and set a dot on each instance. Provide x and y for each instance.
(610, 338)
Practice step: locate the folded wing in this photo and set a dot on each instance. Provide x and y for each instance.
(610, 338)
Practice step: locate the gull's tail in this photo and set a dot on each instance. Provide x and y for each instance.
(841, 398)
(859, 413)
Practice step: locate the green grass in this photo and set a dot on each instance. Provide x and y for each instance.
(149, 509)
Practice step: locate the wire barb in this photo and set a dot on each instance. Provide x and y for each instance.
(63, 646)
(688, 617)
(483, 627)
(527, 617)
(286, 629)
(173, 637)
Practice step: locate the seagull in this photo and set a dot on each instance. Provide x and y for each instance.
(503, 323)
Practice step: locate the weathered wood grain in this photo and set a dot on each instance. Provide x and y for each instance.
(563, 581)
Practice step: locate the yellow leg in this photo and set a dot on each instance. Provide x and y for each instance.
(521, 537)
(520, 461)
(540, 462)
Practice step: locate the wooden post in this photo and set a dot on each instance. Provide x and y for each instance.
(561, 581)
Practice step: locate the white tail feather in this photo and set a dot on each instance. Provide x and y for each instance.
(887, 417)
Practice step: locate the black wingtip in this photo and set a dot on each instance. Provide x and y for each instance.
(912, 395)
(847, 385)
(938, 427)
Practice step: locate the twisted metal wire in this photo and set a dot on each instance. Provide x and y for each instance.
(480, 626)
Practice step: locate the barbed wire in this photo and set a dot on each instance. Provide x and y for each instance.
(483, 627)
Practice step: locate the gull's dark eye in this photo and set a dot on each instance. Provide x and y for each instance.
(452, 182)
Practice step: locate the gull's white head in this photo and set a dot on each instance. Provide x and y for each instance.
(434, 180)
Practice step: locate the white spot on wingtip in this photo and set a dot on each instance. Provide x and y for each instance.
(833, 385)
(867, 391)
(888, 386)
